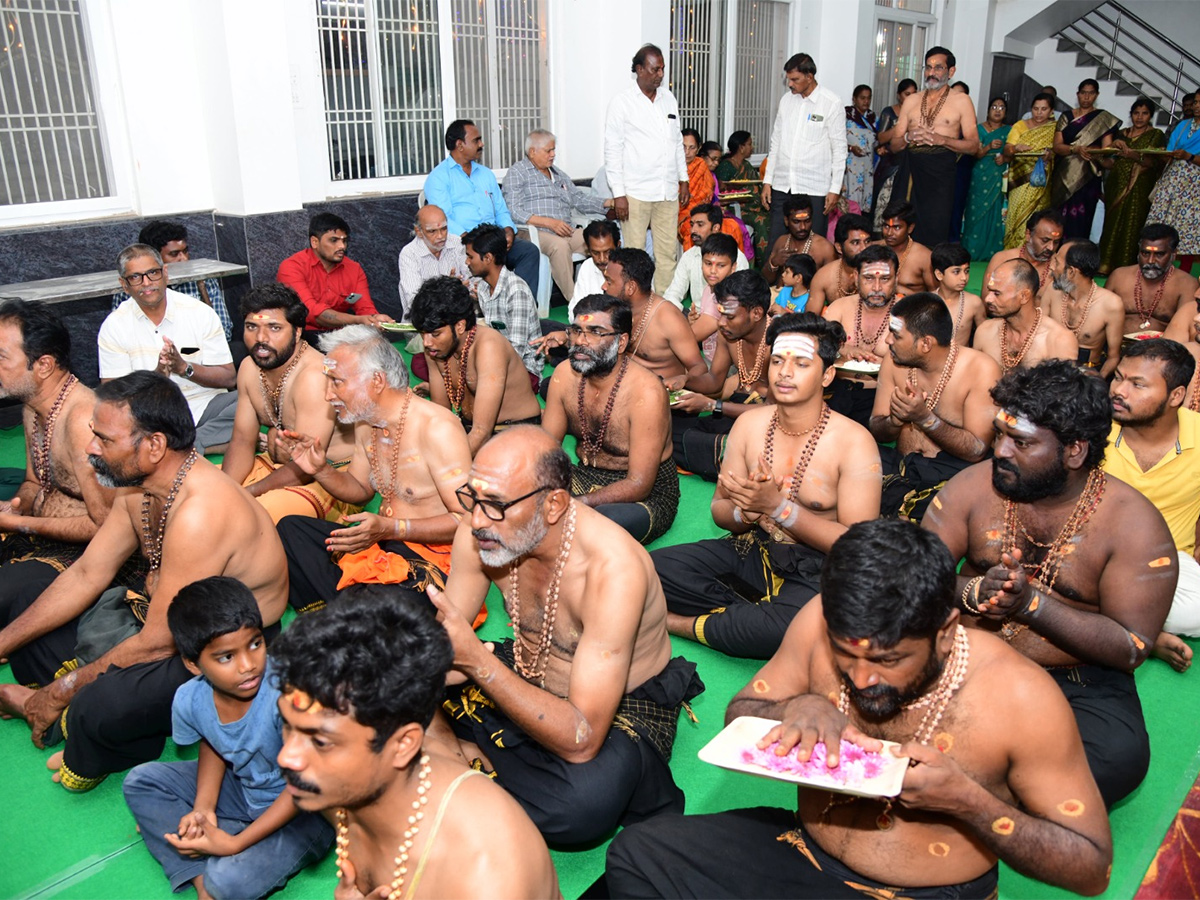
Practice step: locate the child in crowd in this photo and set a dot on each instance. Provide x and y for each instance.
(224, 822)
(797, 274)
(951, 264)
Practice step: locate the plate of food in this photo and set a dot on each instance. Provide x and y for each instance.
(859, 366)
(674, 397)
(1143, 335)
(405, 327)
(862, 773)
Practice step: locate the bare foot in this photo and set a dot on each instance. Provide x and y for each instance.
(1172, 649)
(13, 698)
(54, 763)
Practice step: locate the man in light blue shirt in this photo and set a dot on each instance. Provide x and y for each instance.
(467, 192)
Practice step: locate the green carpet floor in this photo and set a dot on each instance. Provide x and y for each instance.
(85, 846)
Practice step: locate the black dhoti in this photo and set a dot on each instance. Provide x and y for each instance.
(762, 852)
(931, 192)
(573, 803)
(647, 520)
(743, 590)
(911, 482)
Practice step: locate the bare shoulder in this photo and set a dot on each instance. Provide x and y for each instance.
(988, 330)
(980, 367)
(308, 382)
(1120, 278)
(969, 488)
(840, 307)
(564, 376)
(963, 103)
(1110, 302)
(1139, 520)
(1007, 680)
(854, 443)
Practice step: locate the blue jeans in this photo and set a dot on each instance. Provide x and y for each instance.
(160, 794)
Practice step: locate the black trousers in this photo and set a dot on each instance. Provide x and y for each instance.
(1109, 715)
(744, 591)
(313, 575)
(761, 852)
(820, 224)
(700, 443)
(910, 482)
(21, 583)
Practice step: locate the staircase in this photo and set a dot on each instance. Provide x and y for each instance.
(1124, 50)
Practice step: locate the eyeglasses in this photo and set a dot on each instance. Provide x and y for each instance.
(575, 332)
(493, 509)
(135, 278)
(997, 106)
(936, 69)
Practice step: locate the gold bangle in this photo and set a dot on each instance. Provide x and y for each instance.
(968, 588)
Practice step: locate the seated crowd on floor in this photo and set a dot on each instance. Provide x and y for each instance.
(866, 423)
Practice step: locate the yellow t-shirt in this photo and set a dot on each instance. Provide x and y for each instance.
(1172, 484)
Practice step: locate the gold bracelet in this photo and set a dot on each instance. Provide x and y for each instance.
(972, 585)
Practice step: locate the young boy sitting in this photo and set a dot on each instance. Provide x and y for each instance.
(951, 265)
(797, 274)
(224, 822)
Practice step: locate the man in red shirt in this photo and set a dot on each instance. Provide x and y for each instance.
(333, 287)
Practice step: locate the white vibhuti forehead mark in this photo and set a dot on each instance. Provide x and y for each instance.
(328, 365)
(792, 344)
(728, 309)
(479, 484)
(1016, 422)
(895, 324)
(877, 268)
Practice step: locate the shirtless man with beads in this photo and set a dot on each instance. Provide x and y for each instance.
(840, 278)
(1074, 569)
(1095, 315)
(1043, 235)
(995, 766)
(915, 270)
(1154, 291)
(1019, 334)
(577, 713)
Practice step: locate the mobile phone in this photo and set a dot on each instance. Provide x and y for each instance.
(353, 298)
(187, 351)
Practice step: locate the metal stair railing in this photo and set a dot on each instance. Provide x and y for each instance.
(1126, 49)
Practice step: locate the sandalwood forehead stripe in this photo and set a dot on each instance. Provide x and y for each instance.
(794, 344)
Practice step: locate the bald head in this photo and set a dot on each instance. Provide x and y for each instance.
(527, 453)
(431, 227)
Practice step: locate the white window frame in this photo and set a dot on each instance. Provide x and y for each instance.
(931, 21)
(110, 109)
(317, 184)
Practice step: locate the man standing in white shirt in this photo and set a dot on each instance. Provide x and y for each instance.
(433, 251)
(644, 162)
(177, 335)
(808, 147)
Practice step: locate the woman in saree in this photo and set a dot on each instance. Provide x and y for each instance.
(735, 166)
(1076, 185)
(1032, 135)
(1127, 189)
(983, 226)
(859, 183)
(885, 171)
(1176, 199)
(701, 183)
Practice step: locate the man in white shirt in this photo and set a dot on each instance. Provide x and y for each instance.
(601, 238)
(180, 336)
(689, 274)
(807, 153)
(433, 251)
(644, 162)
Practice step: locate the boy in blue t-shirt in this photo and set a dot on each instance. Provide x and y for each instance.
(797, 274)
(224, 822)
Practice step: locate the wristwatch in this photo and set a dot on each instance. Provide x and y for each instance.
(189, 371)
(718, 408)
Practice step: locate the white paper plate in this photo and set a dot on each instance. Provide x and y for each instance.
(725, 750)
(859, 366)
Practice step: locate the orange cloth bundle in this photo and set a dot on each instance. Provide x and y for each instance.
(374, 565)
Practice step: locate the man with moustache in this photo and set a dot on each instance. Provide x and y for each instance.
(414, 454)
(576, 715)
(935, 126)
(1152, 289)
(112, 703)
(60, 505)
(915, 271)
(743, 300)
(932, 401)
(281, 386)
(1153, 447)
(662, 339)
(995, 768)
(688, 280)
(366, 676)
(473, 370)
(864, 317)
(600, 238)
(739, 593)
(839, 278)
(1043, 236)
(432, 252)
(1019, 334)
(799, 238)
(1095, 315)
(1073, 568)
(617, 411)
(152, 329)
